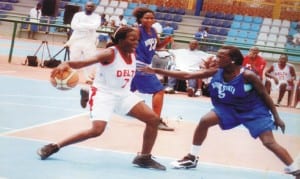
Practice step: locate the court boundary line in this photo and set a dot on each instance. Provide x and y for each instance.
(43, 124)
(78, 146)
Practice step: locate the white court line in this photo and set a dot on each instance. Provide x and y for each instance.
(43, 97)
(39, 106)
(44, 124)
(162, 157)
(7, 72)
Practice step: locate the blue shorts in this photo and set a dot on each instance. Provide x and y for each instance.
(34, 28)
(256, 121)
(146, 83)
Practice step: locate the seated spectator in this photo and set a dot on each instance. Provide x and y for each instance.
(121, 21)
(296, 39)
(297, 95)
(187, 60)
(168, 30)
(104, 26)
(255, 62)
(201, 34)
(282, 76)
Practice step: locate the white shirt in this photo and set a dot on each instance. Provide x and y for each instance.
(35, 15)
(84, 27)
(188, 60)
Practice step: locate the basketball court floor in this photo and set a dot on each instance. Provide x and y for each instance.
(33, 113)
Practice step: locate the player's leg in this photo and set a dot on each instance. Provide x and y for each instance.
(144, 113)
(282, 90)
(269, 142)
(96, 129)
(191, 159)
(268, 85)
(297, 94)
(157, 105)
(101, 102)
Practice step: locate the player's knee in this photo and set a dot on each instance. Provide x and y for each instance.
(96, 130)
(204, 122)
(153, 121)
(269, 143)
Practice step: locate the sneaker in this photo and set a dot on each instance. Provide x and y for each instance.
(169, 90)
(84, 97)
(146, 161)
(295, 172)
(163, 126)
(190, 91)
(47, 150)
(189, 161)
(198, 93)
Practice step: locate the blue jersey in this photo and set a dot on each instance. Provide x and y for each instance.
(235, 104)
(147, 45)
(144, 82)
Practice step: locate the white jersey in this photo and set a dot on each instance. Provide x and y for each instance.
(117, 75)
(282, 74)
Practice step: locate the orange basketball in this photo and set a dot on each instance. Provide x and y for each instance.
(66, 80)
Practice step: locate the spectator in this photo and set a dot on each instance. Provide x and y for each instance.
(104, 20)
(255, 62)
(282, 75)
(296, 39)
(121, 21)
(34, 15)
(168, 30)
(83, 41)
(201, 34)
(187, 60)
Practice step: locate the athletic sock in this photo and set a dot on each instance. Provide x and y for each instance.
(195, 150)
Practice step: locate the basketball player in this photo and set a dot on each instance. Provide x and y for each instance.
(110, 93)
(148, 43)
(238, 97)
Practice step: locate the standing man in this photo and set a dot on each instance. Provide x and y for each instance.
(283, 75)
(34, 15)
(83, 40)
(254, 62)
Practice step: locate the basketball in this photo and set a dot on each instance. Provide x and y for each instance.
(66, 80)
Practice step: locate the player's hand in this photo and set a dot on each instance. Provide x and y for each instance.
(60, 69)
(279, 123)
(210, 62)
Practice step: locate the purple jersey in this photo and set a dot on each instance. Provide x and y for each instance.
(147, 45)
(144, 82)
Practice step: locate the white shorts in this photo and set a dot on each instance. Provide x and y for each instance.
(275, 87)
(104, 104)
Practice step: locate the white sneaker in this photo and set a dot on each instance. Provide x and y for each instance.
(169, 90)
(198, 93)
(293, 169)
